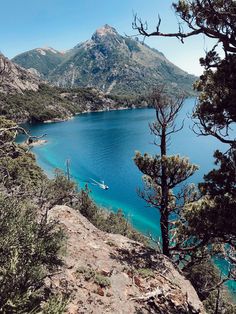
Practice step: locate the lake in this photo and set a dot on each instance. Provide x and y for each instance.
(101, 146)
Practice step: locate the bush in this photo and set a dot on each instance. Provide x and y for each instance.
(102, 281)
(56, 304)
(204, 277)
(105, 221)
(29, 251)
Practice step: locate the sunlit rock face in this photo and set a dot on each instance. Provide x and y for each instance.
(15, 79)
(109, 273)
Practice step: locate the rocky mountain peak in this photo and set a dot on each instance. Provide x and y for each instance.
(44, 50)
(104, 31)
(110, 62)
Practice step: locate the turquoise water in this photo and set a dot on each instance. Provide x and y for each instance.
(101, 146)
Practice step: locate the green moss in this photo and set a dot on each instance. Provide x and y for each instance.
(145, 273)
(86, 272)
(102, 281)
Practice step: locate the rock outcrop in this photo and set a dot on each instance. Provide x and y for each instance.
(14, 79)
(107, 273)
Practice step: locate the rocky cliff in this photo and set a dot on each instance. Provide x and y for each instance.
(107, 273)
(15, 79)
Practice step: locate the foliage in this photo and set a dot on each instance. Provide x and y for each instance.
(102, 281)
(88, 274)
(215, 112)
(105, 221)
(178, 169)
(212, 216)
(206, 279)
(59, 191)
(211, 220)
(145, 272)
(19, 173)
(52, 103)
(45, 104)
(29, 251)
(220, 184)
(225, 305)
(163, 173)
(56, 304)
(204, 276)
(30, 246)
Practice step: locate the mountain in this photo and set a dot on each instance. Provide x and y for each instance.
(24, 97)
(112, 63)
(43, 60)
(15, 79)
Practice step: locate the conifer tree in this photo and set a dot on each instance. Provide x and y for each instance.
(211, 221)
(162, 173)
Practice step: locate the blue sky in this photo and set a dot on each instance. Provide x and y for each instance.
(61, 24)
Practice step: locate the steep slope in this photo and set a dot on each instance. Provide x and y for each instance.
(107, 273)
(119, 65)
(113, 64)
(24, 97)
(14, 79)
(43, 60)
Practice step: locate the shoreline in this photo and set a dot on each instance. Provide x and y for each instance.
(38, 143)
(57, 120)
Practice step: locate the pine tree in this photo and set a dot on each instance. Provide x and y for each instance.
(163, 173)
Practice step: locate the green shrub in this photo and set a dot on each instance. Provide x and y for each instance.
(109, 222)
(29, 251)
(87, 272)
(102, 281)
(145, 273)
(56, 304)
(204, 277)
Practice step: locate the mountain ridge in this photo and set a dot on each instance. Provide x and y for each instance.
(42, 60)
(24, 97)
(110, 62)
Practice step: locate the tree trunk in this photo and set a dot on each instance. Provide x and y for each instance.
(164, 199)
